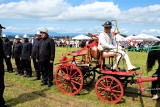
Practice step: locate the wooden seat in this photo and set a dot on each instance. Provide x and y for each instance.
(109, 55)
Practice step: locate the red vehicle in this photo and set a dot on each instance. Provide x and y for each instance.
(80, 69)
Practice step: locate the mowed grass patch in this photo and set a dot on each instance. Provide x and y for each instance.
(25, 92)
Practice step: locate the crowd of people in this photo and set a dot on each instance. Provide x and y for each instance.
(132, 45)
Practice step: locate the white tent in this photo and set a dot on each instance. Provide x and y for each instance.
(142, 37)
(81, 37)
(146, 37)
(130, 38)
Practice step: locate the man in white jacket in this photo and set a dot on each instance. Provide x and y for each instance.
(108, 43)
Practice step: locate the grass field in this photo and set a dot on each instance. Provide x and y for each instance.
(25, 92)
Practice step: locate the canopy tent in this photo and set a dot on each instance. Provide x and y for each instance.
(142, 37)
(131, 37)
(145, 37)
(81, 37)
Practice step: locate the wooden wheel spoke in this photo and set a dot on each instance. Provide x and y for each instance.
(76, 78)
(102, 92)
(106, 81)
(111, 99)
(115, 86)
(74, 87)
(105, 97)
(70, 89)
(61, 75)
(102, 84)
(76, 82)
(74, 74)
(60, 80)
(62, 71)
(116, 91)
(71, 69)
(116, 97)
(101, 88)
(66, 67)
(66, 88)
(111, 83)
(62, 85)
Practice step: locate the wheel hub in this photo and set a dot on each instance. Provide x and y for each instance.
(108, 89)
(67, 77)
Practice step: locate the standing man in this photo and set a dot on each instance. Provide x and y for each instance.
(35, 53)
(7, 48)
(26, 56)
(108, 44)
(2, 102)
(16, 54)
(46, 57)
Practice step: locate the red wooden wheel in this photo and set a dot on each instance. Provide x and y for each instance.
(69, 79)
(109, 89)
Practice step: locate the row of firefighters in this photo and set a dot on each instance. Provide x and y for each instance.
(42, 53)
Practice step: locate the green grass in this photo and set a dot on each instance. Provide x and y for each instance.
(24, 92)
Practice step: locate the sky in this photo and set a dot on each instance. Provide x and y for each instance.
(80, 16)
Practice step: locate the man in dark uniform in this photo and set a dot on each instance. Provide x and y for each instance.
(17, 49)
(26, 56)
(2, 102)
(34, 54)
(7, 48)
(46, 57)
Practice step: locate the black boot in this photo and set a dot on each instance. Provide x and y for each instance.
(50, 84)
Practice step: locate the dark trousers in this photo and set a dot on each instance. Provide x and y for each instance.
(26, 66)
(37, 69)
(19, 65)
(47, 72)
(1, 91)
(9, 64)
(2, 86)
(155, 84)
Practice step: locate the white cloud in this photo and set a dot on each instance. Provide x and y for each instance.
(93, 11)
(61, 10)
(145, 15)
(124, 31)
(37, 9)
(89, 10)
(154, 32)
(58, 10)
(19, 30)
(85, 30)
